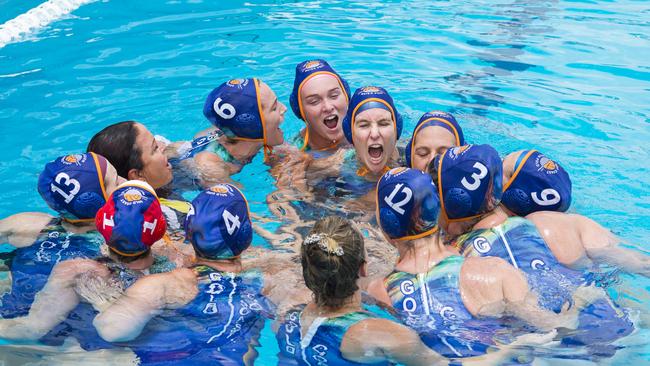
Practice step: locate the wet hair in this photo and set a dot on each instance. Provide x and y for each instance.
(330, 266)
(117, 144)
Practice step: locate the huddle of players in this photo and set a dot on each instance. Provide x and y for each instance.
(505, 248)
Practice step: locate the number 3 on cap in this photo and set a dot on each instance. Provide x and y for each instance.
(225, 111)
(232, 222)
(476, 178)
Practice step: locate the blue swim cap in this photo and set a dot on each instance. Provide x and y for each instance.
(537, 184)
(469, 181)
(235, 108)
(435, 118)
(131, 221)
(370, 97)
(305, 71)
(73, 185)
(219, 225)
(407, 204)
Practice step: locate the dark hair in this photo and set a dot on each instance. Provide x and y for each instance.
(330, 276)
(117, 144)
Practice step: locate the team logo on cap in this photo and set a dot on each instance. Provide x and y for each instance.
(76, 159)
(397, 171)
(220, 190)
(544, 163)
(458, 150)
(237, 82)
(132, 196)
(310, 65)
(370, 90)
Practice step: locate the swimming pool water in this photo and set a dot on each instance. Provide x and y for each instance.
(570, 78)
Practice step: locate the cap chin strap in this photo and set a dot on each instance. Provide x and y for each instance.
(363, 171)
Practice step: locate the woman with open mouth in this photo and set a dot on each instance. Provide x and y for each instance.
(373, 126)
(320, 98)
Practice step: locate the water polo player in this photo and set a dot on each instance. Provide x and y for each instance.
(333, 328)
(434, 133)
(320, 98)
(247, 116)
(219, 307)
(131, 221)
(76, 187)
(448, 299)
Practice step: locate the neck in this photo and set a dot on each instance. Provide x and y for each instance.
(241, 150)
(352, 304)
(318, 142)
(492, 219)
(420, 255)
(141, 263)
(223, 265)
(78, 228)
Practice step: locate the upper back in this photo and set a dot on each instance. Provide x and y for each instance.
(321, 344)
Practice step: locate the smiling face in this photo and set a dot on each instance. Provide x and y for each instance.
(429, 142)
(373, 134)
(156, 170)
(324, 106)
(273, 112)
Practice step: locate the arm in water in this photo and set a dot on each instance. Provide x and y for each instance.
(22, 229)
(492, 287)
(125, 318)
(54, 302)
(572, 237)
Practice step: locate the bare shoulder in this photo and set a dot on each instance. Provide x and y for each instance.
(481, 283)
(378, 333)
(377, 289)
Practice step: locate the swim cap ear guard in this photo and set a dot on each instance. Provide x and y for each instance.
(131, 221)
(537, 184)
(73, 185)
(407, 204)
(370, 97)
(435, 118)
(219, 225)
(305, 71)
(235, 108)
(469, 180)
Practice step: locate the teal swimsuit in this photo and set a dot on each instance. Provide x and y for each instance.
(322, 343)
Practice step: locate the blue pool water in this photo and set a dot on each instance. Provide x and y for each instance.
(571, 78)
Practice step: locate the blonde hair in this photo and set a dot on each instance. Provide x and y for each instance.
(331, 257)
